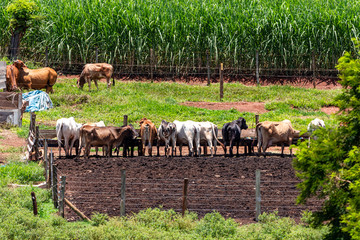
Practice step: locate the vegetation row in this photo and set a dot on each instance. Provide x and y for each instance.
(286, 33)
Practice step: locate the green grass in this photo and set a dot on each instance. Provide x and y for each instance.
(158, 101)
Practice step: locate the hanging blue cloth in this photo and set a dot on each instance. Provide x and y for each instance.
(38, 101)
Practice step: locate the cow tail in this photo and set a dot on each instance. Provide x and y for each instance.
(213, 132)
(258, 135)
(59, 134)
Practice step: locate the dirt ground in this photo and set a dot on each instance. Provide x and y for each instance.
(224, 184)
(8, 140)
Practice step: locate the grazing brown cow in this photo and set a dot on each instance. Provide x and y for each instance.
(99, 137)
(35, 78)
(269, 133)
(96, 71)
(148, 134)
(11, 76)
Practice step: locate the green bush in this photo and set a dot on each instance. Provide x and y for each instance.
(216, 226)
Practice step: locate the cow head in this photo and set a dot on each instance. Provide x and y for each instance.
(19, 64)
(11, 78)
(142, 121)
(241, 122)
(167, 128)
(81, 81)
(134, 133)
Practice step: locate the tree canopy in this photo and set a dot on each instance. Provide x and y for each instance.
(330, 167)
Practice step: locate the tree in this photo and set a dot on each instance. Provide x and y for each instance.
(22, 14)
(330, 167)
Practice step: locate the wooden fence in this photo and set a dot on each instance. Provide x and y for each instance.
(247, 200)
(11, 108)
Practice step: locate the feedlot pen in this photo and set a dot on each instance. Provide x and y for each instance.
(224, 184)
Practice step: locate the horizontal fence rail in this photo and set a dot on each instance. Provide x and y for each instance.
(247, 66)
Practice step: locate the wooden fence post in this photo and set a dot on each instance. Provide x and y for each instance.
(256, 119)
(97, 55)
(125, 121)
(19, 109)
(184, 200)
(151, 64)
(33, 197)
(314, 69)
(62, 196)
(53, 180)
(258, 195)
(36, 144)
(122, 201)
(221, 81)
(208, 67)
(46, 56)
(257, 67)
(46, 164)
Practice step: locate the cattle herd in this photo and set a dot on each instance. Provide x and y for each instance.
(174, 134)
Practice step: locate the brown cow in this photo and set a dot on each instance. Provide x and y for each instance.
(126, 138)
(99, 137)
(148, 134)
(11, 77)
(35, 78)
(96, 71)
(90, 126)
(269, 133)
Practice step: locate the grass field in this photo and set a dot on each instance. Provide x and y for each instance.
(158, 101)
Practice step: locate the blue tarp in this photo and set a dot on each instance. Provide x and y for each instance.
(38, 101)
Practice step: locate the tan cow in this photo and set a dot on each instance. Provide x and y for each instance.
(35, 78)
(96, 71)
(11, 76)
(148, 134)
(90, 126)
(99, 137)
(269, 133)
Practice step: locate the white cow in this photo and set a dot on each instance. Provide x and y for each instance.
(69, 130)
(82, 138)
(188, 132)
(208, 135)
(315, 124)
(167, 133)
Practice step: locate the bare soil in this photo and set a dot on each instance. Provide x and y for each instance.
(9, 139)
(224, 184)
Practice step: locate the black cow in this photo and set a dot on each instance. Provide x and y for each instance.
(231, 133)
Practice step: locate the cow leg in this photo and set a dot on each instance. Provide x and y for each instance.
(108, 83)
(211, 148)
(282, 149)
(71, 146)
(158, 148)
(237, 148)
(143, 149)
(66, 141)
(180, 149)
(89, 83)
(95, 81)
(150, 149)
(231, 147)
